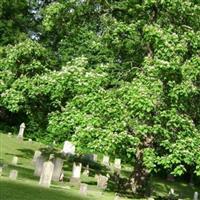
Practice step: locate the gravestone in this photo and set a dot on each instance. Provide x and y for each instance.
(196, 196)
(46, 175)
(102, 182)
(171, 193)
(68, 148)
(83, 188)
(117, 165)
(51, 156)
(39, 165)
(105, 160)
(14, 160)
(13, 174)
(86, 171)
(58, 165)
(36, 155)
(9, 134)
(76, 173)
(21, 131)
(30, 140)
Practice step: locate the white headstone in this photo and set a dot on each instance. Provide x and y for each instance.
(58, 165)
(30, 140)
(68, 148)
(13, 174)
(102, 182)
(117, 165)
(83, 189)
(39, 165)
(196, 196)
(46, 175)
(105, 160)
(14, 160)
(9, 134)
(21, 131)
(76, 173)
(36, 155)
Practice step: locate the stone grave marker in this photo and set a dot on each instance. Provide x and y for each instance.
(9, 134)
(76, 173)
(36, 155)
(102, 182)
(21, 131)
(86, 171)
(58, 165)
(39, 165)
(68, 148)
(15, 160)
(105, 160)
(46, 175)
(30, 140)
(83, 188)
(13, 174)
(196, 196)
(117, 165)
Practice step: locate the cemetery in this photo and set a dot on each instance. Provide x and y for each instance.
(99, 99)
(43, 172)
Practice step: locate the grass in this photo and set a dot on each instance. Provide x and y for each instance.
(26, 186)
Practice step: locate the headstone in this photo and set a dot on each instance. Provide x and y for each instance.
(39, 165)
(102, 182)
(68, 148)
(51, 156)
(117, 165)
(86, 171)
(9, 134)
(105, 160)
(14, 160)
(196, 196)
(83, 188)
(61, 178)
(58, 165)
(21, 131)
(13, 174)
(76, 173)
(30, 140)
(36, 155)
(46, 175)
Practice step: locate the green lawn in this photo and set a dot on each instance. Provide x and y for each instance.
(26, 186)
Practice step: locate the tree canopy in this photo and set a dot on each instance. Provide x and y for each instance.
(115, 77)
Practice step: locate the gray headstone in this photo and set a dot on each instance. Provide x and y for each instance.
(21, 131)
(105, 160)
(36, 155)
(196, 196)
(39, 165)
(46, 175)
(30, 140)
(13, 174)
(15, 160)
(83, 188)
(76, 173)
(58, 165)
(68, 148)
(102, 182)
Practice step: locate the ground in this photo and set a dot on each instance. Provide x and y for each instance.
(26, 186)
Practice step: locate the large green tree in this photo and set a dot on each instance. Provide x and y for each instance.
(116, 77)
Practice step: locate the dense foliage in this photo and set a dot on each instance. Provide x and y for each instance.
(116, 77)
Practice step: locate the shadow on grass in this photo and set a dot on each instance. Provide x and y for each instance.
(15, 190)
